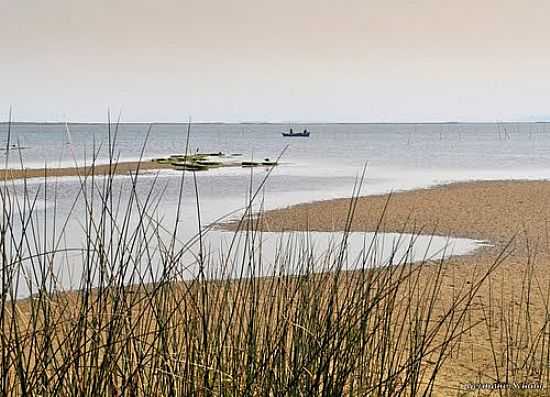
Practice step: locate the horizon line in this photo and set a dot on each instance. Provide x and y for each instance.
(277, 122)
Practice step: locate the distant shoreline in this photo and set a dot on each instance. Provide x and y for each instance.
(284, 123)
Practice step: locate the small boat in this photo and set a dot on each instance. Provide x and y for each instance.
(305, 133)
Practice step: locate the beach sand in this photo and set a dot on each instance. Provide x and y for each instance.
(495, 211)
(510, 313)
(120, 168)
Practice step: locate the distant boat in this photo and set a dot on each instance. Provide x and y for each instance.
(305, 133)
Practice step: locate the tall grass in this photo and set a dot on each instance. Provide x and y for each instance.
(135, 325)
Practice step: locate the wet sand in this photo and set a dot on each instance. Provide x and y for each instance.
(120, 168)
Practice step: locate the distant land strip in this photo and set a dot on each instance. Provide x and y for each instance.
(119, 168)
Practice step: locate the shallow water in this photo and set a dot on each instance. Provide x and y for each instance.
(228, 255)
(362, 250)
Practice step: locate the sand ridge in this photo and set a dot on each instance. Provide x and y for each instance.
(498, 211)
(117, 168)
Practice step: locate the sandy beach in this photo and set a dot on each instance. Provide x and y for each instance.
(120, 168)
(505, 329)
(512, 216)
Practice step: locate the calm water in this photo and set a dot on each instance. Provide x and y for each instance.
(325, 165)
(270, 254)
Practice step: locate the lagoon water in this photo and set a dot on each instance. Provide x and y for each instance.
(262, 254)
(325, 165)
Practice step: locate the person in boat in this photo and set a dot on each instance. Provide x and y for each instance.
(305, 131)
(291, 131)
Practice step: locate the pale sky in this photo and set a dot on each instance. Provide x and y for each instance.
(285, 60)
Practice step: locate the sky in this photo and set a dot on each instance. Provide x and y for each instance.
(285, 60)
